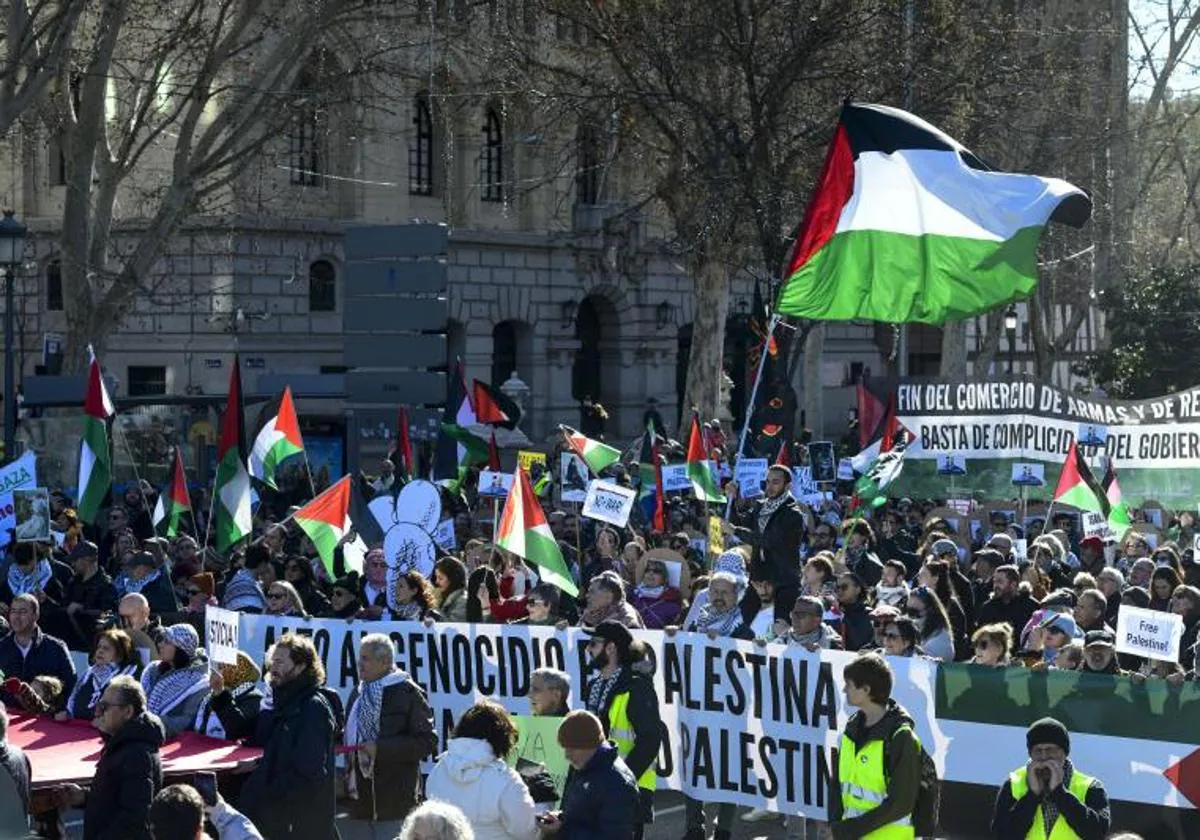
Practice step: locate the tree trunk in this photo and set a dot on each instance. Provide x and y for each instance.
(954, 350)
(703, 391)
(814, 397)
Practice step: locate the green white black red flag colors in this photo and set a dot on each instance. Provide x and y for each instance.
(704, 484)
(174, 501)
(651, 498)
(401, 451)
(95, 456)
(232, 517)
(452, 444)
(906, 224)
(1078, 487)
(276, 439)
(525, 532)
(598, 456)
(1119, 520)
(494, 407)
(326, 520)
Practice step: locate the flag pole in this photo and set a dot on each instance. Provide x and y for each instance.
(136, 476)
(749, 409)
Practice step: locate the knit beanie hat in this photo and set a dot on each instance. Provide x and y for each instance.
(580, 730)
(183, 636)
(204, 582)
(1046, 731)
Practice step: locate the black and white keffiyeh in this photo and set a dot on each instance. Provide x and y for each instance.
(22, 582)
(98, 676)
(165, 691)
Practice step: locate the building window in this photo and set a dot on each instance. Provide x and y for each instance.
(504, 352)
(147, 381)
(493, 157)
(420, 151)
(54, 286)
(322, 287)
(309, 136)
(587, 177)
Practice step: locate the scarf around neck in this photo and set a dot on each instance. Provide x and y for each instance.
(126, 584)
(723, 624)
(209, 723)
(768, 507)
(362, 724)
(599, 691)
(100, 676)
(407, 612)
(26, 583)
(166, 691)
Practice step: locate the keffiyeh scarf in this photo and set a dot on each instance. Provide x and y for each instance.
(723, 624)
(769, 506)
(100, 676)
(1049, 809)
(26, 583)
(599, 691)
(126, 584)
(166, 691)
(362, 723)
(212, 727)
(406, 612)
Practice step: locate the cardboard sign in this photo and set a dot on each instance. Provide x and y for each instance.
(572, 478)
(675, 478)
(493, 484)
(716, 540)
(1029, 475)
(526, 459)
(1095, 524)
(750, 473)
(821, 460)
(221, 635)
(609, 503)
(802, 482)
(444, 536)
(21, 474)
(1149, 633)
(845, 470)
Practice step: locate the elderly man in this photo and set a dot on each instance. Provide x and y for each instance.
(1090, 611)
(549, 691)
(26, 652)
(601, 799)
(373, 586)
(389, 726)
(129, 772)
(14, 762)
(606, 601)
(134, 614)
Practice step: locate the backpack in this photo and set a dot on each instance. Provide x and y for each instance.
(929, 793)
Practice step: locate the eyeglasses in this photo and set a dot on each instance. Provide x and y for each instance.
(892, 636)
(193, 592)
(276, 596)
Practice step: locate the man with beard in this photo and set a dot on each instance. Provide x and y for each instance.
(1008, 604)
(1099, 654)
(775, 529)
(621, 693)
(1090, 610)
(290, 794)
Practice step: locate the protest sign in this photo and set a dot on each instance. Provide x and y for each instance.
(572, 478)
(820, 459)
(537, 743)
(1029, 475)
(407, 546)
(675, 478)
(444, 536)
(750, 473)
(221, 635)
(952, 465)
(494, 484)
(845, 470)
(419, 502)
(32, 510)
(21, 474)
(526, 459)
(1149, 633)
(803, 483)
(716, 539)
(609, 503)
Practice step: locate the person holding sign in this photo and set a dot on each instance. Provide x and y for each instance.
(1049, 797)
(775, 528)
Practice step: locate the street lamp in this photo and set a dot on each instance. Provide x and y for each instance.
(12, 254)
(1010, 326)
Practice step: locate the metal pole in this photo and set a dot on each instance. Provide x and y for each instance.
(910, 23)
(749, 410)
(10, 390)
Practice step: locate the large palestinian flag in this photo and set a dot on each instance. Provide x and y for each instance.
(95, 458)
(326, 520)
(525, 532)
(276, 439)
(1077, 486)
(232, 516)
(906, 225)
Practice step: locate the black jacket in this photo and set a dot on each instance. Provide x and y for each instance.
(1089, 819)
(857, 631)
(777, 546)
(406, 738)
(290, 794)
(48, 657)
(238, 715)
(601, 800)
(161, 595)
(14, 761)
(645, 721)
(128, 776)
(97, 594)
(1016, 613)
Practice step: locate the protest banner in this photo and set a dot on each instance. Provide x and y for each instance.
(221, 635)
(572, 478)
(1154, 444)
(609, 503)
(750, 473)
(444, 536)
(526, 459)
(21, 474)
(1150, 633)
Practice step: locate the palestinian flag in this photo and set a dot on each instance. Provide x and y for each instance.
(173, 502)
(401, 451)
(451, 449)
(598, 456)
(704, 484)
(1078, 487)
(907, 225)
(1119, 520)
(650, 490)
(524, 531)
(326, 520)
(882, 471)
(95, 458)
(277, 438)
(494, 407)
(231, 505)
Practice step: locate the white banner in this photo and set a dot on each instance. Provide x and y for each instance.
(1149, 633)
(221, 629)
(609, 503)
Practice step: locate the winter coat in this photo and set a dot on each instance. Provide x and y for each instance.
(644, 719)
(14, 762)
(406, 738)
(454, 608)
(490, 793)
(659, 612)
(777, 546)
(1016, 614)
(128, 776)
(856, 630)
(47, 657)
(290, 794)
(601, 800)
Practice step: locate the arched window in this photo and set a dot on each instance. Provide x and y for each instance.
(492, 173)
(54, 286)
(309, 135)
(322, 287)
(420, 150)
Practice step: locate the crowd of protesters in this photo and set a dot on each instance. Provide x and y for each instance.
(901, 580)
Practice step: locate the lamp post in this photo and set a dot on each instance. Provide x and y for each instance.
(12, 254)
(1010, 326)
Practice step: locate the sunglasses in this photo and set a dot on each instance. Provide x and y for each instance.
(193, 592)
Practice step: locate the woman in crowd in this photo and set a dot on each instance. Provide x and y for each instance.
(283, 599)
(298, 571)
(142, 574)
(820, 581)
(450, 585)
(900, 638)
(412, 598)
(992, 644)
(231, 709)
(200, 593)
(856, 628)
(935, 575)
(113, 654)
(343, 598)
(1163, 583)
(657, 602)
(484, 603)
(933, 625)
(603, 555)
(177, 683)
(543, 606)
(473, 775)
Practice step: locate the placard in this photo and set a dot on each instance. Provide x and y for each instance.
(802, 482)
(1092, 435)
(822, 462)
(526, 459)
(1149, 633)
(444, 536)
(609, 503)
(1029, 475)
(716, 539)
(845, 470)
(572, 478)
(32, 511)
(675, 478)
(221, 635)
(951, 465)
(494, 484)
(537, 743)
(21, 474)
(750, 473)
(1020, 550)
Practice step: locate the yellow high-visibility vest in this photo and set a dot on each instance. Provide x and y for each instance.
(1080, 782)
(863, 780)
(620, 730)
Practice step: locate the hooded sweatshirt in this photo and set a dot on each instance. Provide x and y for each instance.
(489, 792)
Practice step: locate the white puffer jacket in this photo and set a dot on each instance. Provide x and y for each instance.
(491, 794)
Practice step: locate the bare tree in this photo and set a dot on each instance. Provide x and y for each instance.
(37, 40)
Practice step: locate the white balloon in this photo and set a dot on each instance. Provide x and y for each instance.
(406, 546)
(383, 509)
(420, 503)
